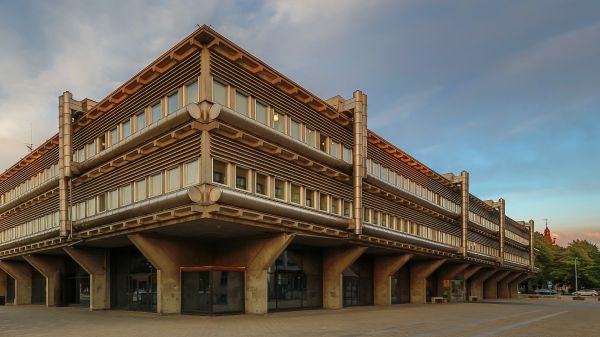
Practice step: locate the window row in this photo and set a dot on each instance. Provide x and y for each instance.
(151, 114)
(158, 183)
(251, 107)
(392, 222)
(404, 183)
(516, 258)
(243, 178)
(32, 183)
(483, 249)
(478, 219)
(516, 237)
(30, 228)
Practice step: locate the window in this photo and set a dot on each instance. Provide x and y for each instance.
(101, 143)
(140, 190)
(279, 122)
(113, 199)
(91, 149)
(366, 215)
(279, 189)
(335, 205)
(173, 179)
(81, 210)
(322, 143)
(140, 122)
(384, 220)
(261, 184)
(347, 209)
(91, 207)
(156, 187)
(335, 149)
(384, 173)
(241, 178)
(295, 196)
(102, 203)
(375, 169)
(310, 137)
(241, 103)
(219, 172)
(323, 202)
(126, 129)
(114, 136)
(173, 102)
(219, 93)
(191, 93)
(310, 198)
(295, 129)
(81, 155)
(261, 113)
(376, 217)
(347, 155)
(125, 196)
(191, 173)
(156, 112)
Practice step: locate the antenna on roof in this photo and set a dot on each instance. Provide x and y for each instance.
(30, 144)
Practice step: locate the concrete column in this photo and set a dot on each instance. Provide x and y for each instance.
(504, 284)
(448, 272)
(419, 272)
(514, 285)
(383, 269)
(478, 279)
(490, 286)
(51, 266)
(21, 272)
(3, 280)
(94, 261)
(470, 271)
(335, 261)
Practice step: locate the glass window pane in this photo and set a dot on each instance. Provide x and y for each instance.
(191, 173)
(261, 113)
(323, 201)
(219, 93)
(295, 194)
(347, 208)
(102, 202)
(191, 92)
(114, 136)
(261, 184)
(335, 149)
(140, 190)
(310, 137)
(91, 149)
(295, 129)
(335, 205)
(241, 103)
(140, 122)
(279, 122)
(126, 129)
(173, 180)
(173, 102)
(156, 185)
(279, 189)
(125, 195)
(322, 143)
(156, 112)
(309, 198)
(219, 172)
(113, 197)
(241, 178)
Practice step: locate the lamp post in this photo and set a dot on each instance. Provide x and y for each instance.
(576, 288)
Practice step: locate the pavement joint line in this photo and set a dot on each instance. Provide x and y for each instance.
(516, 325)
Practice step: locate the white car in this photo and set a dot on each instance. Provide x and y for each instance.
(586, 292)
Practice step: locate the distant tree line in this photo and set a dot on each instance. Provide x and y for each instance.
(557, 264)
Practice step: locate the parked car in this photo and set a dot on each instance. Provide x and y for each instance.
(545, 292)
(586, 292)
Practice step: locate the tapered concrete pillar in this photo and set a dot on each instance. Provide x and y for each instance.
(504, 284)
(470, 271)
(3, 280)
(335, 261)
(94, 261)
(51, 267)
(490, 286)
(21, 273)
(419, 272)
(478, 279)
(446, 274)
(383, 269)
(514, 285)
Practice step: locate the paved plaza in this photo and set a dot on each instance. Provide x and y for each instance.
(541, 317)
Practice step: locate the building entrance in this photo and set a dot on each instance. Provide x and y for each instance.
(210, 291)
(457, 291)
(401, 285)
(358, 283)
(77, 284)
(133, 281)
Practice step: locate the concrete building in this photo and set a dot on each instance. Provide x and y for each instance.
(211, 183)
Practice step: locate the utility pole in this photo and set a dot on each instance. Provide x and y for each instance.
(576, 288)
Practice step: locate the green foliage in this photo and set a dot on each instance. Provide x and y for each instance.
(557, 264)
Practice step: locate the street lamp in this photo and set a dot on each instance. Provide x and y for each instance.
(576, 288)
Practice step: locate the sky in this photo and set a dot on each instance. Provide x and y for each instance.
(507, 90)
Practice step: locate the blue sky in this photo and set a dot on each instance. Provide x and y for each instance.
(508, 90)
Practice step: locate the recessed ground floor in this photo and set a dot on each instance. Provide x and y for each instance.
(541, 317)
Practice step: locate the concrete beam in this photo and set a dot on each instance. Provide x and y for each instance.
(384, 268)
(490, 286)
(335, 261)
(470, 271)
(478, 279)
(51, 267)
(95, 262)
(448, 272)
(504, 284)
(21, 273)
(419, 272)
